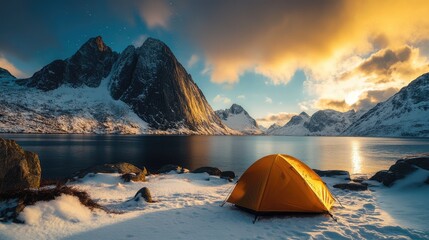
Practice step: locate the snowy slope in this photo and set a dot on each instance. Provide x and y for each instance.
(238, 119)
(322, 123)
(65, 110)
(188, 208)
(404, 114)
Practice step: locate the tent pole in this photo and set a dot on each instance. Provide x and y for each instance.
(256, 218)
(332, 216)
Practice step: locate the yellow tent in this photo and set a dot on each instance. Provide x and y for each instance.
(281, 183)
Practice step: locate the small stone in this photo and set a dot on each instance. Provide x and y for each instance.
(227, 175)
(145, 194)
(352, 186)
(170, 167)
(210, 170)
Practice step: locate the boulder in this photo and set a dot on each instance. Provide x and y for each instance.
(230, 175)
(139, 177)
(332, 173)
(402, 168)
(210, 170)
(143, 193)
(170, 167)
(352, 186)
(19, 169)
(122, 167)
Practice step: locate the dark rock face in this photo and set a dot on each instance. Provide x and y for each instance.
(123, 168)
(210, 170)
(351, 186)
(5, 74)
(145, 194)
(88, 66)
(49, 77)
(401, 169)
(160, 91)
(19, 169)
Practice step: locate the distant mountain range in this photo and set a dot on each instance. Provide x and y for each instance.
(321, 123)
(238, 119)
(141, 90)
(145, 90)
(404, 114)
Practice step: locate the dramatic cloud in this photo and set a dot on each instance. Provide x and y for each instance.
(221, 99)
(364, 82)
(280, 118)
(4, 63)
(191, 62)
(276, 38)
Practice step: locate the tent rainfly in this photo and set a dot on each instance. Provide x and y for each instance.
(281, 183)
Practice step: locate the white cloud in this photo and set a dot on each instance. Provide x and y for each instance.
(241, 97)
(221, 99)
(139, 40)
(268, 100)
(194, 59)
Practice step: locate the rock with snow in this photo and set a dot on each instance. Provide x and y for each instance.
(123, 168)
(19, 169)
(88, 66)
(143, 193)
(404, 114)
(239, 119)
(170, 167)
(5, 74)
(402, 168)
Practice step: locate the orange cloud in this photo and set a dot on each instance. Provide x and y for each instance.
(4, 63)
(280, 118)
(275, 39)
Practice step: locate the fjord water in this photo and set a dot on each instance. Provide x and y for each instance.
(62, 155)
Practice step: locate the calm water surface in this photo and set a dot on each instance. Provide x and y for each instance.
(62, 155)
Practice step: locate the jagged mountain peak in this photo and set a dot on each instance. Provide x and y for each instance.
(304, 114)
(5, 74)
(95, 43)
(238, 119)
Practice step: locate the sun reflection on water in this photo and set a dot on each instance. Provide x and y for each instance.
(356, 158)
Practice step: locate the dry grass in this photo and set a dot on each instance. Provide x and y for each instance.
(30, 197)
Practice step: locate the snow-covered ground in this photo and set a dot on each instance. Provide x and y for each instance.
(188, 208)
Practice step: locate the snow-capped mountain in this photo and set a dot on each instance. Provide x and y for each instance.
(404, 114)
(142, 90)
(239, 119)
(321, 123)
(5, 74)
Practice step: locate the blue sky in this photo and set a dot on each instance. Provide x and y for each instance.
(274, 59)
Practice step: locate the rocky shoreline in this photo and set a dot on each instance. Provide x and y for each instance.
(21, 183)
